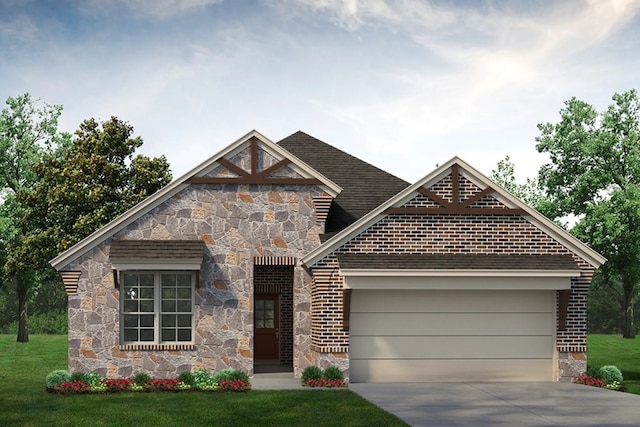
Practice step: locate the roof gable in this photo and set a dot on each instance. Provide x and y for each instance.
(455, 188)
(268, 164)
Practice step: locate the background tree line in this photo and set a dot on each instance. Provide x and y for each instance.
(56, 189)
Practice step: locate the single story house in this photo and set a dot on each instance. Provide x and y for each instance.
(298, 253)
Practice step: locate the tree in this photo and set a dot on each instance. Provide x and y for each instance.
(80, 189)
(530, 192)
(594, 173)
(28, 130)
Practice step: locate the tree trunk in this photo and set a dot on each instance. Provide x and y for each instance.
(628, 325)
(22, 288)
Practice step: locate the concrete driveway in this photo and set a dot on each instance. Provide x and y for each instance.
(503, 404)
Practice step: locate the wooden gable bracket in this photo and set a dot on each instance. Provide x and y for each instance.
(563, 308)
(253, 176)
(346, 308)
(455, 207)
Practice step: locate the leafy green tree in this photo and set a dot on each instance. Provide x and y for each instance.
(80, 189)
(28, 130)
(530, 192)
(594, 174)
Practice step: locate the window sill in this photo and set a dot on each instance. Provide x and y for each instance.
(157, 347)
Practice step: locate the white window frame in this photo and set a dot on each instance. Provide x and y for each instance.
(157, 313)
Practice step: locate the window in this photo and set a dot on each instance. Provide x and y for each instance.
(157, 307)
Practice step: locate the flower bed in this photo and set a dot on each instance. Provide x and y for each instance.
(60, 383)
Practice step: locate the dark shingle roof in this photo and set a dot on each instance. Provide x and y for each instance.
(156, 249)
(364, 186)
(457, 262)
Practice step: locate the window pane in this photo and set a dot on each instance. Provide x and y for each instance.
(130, 306)
(168, 306)
(268, 304)
(259, 304)
(130, 321)
(146, 280)
(168, 280)
(184, 280)
(184, 334)
(268, 314)
(184, 293)
(184, 320)
(168, 293)
(146, 320)
(146, 293)
(184, 306)
(168, 320)
(131, 334)
(130, 279)
(146, 306)
(132, 293)
(259, 323)
(168, 335)
(269, 323)
(146, 334)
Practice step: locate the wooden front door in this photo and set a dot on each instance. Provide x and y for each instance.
(266, 323)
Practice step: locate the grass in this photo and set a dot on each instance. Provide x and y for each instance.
(24, 401)
(618, 351)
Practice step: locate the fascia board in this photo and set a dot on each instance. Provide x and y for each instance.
(459, 283)
(157, 265)
(353, 272)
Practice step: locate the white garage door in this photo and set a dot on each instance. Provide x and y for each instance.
(459, 335)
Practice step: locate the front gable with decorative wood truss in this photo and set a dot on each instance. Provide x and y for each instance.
(459, 237)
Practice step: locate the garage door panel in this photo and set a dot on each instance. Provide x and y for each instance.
(443, 347)
(461, 335)
(453, 301)
(450, 323)
(449, 370)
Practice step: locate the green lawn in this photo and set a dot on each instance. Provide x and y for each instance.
(615, 350)
(24, 401)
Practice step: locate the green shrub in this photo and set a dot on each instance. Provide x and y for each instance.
(141, 378)
(311, 373)
(79, 376)
(57, 377)
(93, 378)
(203, 380)
(593, 372)
(611, 374)
(187, 378)
(230, 374)
(332, 373)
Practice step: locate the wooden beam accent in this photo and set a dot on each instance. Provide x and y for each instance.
(563, 308)
(455, 184)
(346, 309)
(433, 196)
(456, 210)
(476, 197)
(232, 167)
(254, 156)
(253, 180)
(273, 168)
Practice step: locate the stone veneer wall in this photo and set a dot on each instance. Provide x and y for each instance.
(237, 223)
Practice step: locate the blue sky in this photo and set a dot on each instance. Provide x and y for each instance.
(402, 84)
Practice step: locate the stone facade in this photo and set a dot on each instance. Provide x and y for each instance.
(238, 224)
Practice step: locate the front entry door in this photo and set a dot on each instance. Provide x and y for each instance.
(267, 324)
